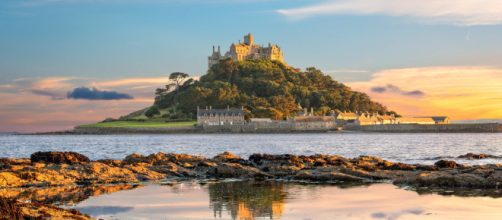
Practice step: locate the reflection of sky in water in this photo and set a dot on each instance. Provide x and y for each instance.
(252, 200)
(103, 210)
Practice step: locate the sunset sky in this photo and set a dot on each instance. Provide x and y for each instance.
(69, 62)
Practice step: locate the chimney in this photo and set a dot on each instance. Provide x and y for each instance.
(210, 107)
(219, 49)
(213, 48)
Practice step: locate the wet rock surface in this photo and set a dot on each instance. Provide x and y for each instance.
(58, 157)
(472, 156)
(68, 169)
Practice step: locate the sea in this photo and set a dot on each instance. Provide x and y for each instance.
(248, 200)
(425, 148)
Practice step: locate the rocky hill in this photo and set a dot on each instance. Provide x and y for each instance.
(264, 88)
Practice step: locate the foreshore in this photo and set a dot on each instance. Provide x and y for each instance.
(69, 169)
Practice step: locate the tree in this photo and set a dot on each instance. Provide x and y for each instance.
(152, 111)
(266, 89)
(178, 78)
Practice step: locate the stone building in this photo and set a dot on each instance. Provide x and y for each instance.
(306, 123)
(416, 120)
(228, 116)
(247, 50)
(375, 119)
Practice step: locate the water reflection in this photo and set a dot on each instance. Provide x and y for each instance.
(247, 200)
(63, 195)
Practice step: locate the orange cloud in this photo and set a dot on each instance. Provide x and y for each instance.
(459, 92)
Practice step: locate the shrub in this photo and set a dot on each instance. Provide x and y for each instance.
(152, 111)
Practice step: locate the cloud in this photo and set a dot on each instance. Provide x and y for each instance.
(457, 12)
(96, 94)
(397, 214)
(53, 95)
(41, 104)
(461, 92)
(394, 89)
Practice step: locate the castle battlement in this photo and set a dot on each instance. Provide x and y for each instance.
(247, 51)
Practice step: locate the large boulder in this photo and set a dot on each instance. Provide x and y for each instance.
(58, 157)
(446, 164)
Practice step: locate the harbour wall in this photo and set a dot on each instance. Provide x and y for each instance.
(417, 128)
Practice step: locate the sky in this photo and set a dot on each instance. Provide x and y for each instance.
(70, 62)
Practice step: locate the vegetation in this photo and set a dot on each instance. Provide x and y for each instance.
(139, 124)
(265, 89)
(152, 111)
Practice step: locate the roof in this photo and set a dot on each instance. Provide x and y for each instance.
(220, 111)
(313, 118)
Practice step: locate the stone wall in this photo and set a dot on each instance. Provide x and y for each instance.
(417, 128)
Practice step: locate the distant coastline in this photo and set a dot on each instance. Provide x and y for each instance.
(192, 129)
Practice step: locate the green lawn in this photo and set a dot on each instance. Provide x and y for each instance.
(137, 124)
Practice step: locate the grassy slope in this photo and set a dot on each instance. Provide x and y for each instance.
(136, 124)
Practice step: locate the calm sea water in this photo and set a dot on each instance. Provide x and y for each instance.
(269, 200)
(410, 148)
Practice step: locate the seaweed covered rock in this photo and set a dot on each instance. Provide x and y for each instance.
(58, 157)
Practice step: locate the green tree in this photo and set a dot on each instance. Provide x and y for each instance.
(152, 111)
(266, 89)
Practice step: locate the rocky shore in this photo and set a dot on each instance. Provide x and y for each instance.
(68, 170)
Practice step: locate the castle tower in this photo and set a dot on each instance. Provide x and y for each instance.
(249, 39)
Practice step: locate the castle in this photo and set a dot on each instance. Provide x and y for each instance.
(247, 51)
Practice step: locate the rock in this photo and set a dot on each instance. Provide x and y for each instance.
(446, 164)
(9, 179)
(135, 158)
(182, 159)
(338, 161)
(313, 175)
(227, 157)
(58, 157)
(319, 163)
(226, 170)
(468, 180)
(207, 164)
(471, 156)
(143, 173)
(495, 179)
(111, 162)
(443, 179)
(281, 171)
(400, 166)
